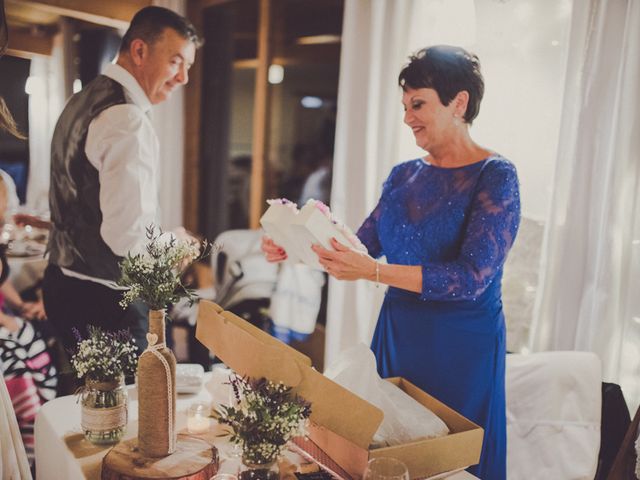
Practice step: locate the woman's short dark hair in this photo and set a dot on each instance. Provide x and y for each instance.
(149, 23)
(448, 70)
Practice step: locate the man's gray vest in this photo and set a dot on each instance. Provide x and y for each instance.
(75, 242)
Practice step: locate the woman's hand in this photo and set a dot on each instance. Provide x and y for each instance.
(344, 263)
(272, 252)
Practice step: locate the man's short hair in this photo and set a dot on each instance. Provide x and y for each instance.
(149, 23)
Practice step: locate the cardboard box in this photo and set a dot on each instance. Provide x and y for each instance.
(342, 424)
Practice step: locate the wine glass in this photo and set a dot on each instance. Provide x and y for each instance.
(386, 468)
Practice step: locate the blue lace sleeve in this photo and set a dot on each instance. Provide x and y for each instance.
(368, 231)
(490, 232)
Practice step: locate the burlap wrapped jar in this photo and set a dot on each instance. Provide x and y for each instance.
(156, 392)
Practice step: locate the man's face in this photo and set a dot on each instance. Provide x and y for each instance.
(165, 65)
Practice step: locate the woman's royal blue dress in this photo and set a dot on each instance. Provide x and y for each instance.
(458, 224)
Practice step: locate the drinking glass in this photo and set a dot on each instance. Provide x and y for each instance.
(385, 468)
(224, 476)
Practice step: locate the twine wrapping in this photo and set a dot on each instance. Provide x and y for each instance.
(154, 348)
(156, 393)
(103, 419)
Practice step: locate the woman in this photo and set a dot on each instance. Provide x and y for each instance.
(445, 223)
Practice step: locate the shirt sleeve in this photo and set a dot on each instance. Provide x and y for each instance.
(490, 233)
(123, 147)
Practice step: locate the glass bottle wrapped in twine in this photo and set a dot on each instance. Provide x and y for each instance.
(156, 392)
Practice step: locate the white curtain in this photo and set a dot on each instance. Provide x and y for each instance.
(368, 119)
(377, 37)
(590, 272)
(168, 121)
(46, 100)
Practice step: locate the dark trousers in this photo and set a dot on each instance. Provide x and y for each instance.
(74, 303)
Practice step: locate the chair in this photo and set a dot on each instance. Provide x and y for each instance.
(553, 415)
(615, 423)
(244, 280)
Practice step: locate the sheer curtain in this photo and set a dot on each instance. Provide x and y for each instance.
(168, 121)
(590, 270)
(46, 100)
(367, 126)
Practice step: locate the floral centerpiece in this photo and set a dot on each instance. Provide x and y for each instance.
(103, 360)
(155, 277)
(263, 418)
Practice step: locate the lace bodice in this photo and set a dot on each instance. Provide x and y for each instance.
(458, 224)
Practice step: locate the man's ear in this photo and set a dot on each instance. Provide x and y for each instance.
(138, 50)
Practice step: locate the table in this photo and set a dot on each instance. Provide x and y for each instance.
(62, 452)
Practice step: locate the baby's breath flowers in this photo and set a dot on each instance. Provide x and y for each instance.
(155, 275)
(104, 356)
(264, 417)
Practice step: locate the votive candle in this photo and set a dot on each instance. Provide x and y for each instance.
(198, 418)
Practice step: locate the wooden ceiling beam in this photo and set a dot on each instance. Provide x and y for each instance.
(24, 44)
(111, 13)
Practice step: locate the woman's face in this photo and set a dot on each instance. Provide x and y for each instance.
(432, 123)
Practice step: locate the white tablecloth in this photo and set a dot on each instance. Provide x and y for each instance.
(62, 452)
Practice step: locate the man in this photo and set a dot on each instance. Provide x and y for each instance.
(104, 159)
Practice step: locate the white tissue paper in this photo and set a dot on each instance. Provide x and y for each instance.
(405, 419)
(189, 377)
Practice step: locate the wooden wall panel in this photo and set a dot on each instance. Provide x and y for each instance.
(261, 114)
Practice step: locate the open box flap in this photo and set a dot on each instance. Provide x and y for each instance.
(252, 352)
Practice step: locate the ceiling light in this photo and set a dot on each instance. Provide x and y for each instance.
(318, 40)
(311, 102)
(276, 74)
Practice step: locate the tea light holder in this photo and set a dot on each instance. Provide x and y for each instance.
(198, 417)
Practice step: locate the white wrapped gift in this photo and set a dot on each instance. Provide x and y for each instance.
(297, 230)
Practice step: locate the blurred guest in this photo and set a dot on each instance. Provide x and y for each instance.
(317, 185)
(25, 361)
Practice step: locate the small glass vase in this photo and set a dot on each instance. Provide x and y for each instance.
(104, 410)
(251, 470)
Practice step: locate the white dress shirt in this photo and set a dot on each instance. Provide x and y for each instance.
(123, 146)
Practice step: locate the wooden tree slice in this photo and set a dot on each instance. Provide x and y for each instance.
(194, 458)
